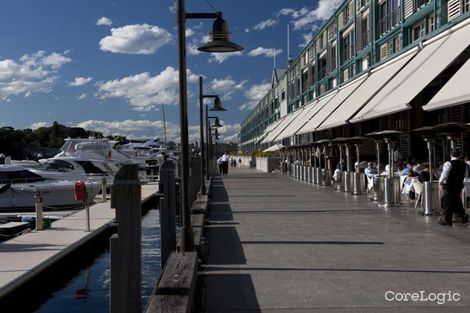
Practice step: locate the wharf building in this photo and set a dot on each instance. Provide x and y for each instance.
(374, 65)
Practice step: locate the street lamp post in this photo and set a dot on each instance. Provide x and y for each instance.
(219, 42)
(217, 107)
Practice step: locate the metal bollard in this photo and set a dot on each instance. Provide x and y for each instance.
(39, 214)
(314, 175)
(103, 190)
(427, 198)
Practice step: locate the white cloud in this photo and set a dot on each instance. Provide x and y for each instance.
(307, 38)
(104, 21)
(82, 96)
(145, 92)
(189, 32)
(306, 18)
(223, 56)
(254, 95)
(136, 39)
(80, 81)
(150, 129)
(265, 24)
(268, 52)
(247, 30)
(32, 73)
(54, 60)
(37, 125)
(226, 87)
(172, 8)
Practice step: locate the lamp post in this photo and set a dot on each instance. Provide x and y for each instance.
(219, 42)
(217, 107)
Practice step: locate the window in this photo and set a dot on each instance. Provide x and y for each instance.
(411, 6)
(365, 63)
(361, 3)
(283, 94)
(431, 24)
(347, 47)
(388, 15)
(466, 6)
(418, 31)
(322, 68)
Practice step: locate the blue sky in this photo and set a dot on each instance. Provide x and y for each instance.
(109, 65)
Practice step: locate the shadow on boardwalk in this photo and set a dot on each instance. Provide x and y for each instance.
(227, 289)
(276, 245)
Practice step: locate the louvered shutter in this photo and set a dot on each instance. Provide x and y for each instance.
(383, 51)
(408, 8)
(453, 9)
(359, 43)
(341, 21)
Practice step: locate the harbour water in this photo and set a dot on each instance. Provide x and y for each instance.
(89, 290)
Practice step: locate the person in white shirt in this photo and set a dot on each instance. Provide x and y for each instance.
(225, 158)
(451, 181)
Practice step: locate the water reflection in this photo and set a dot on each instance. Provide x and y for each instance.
(89, 290)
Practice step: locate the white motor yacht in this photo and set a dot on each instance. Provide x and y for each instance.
(72, 168)
(100, 152)
(19, 185)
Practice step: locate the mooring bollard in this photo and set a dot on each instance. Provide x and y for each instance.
(38, 203)
(125, 246)
(167, 210)
(103, 190)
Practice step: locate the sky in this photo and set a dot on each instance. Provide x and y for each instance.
(110, 65)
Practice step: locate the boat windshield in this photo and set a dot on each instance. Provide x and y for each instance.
(56, 165)
(19, 177)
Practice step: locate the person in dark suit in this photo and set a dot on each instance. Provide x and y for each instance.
(451, 181)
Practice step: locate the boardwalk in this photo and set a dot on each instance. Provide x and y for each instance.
(279, 245)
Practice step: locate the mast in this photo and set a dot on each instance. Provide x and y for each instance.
(164, 123)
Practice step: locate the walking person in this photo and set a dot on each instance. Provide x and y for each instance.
(451, 181)
(220, 163)
(225, 158)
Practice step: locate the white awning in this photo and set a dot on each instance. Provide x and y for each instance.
(454, 92)
(299, 122)
(343, 93)
(269, 129)
(374, 82)
(273, 148)
(436, 55)
(285, 122)
(321, 104)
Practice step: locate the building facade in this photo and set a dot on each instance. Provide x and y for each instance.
(362, 54)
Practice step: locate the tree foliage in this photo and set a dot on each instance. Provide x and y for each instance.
(14, 141)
